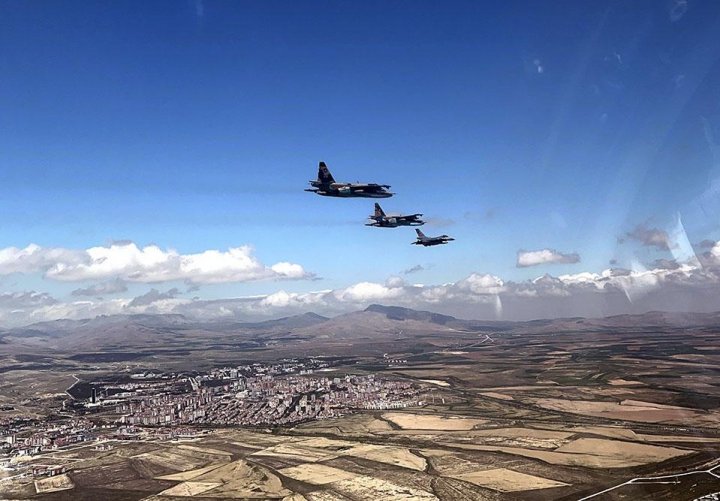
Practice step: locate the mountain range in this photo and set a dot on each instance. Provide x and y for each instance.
(376, 321)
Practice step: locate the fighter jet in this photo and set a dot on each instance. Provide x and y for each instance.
(430, 241)
(326, 186)
(381, 220)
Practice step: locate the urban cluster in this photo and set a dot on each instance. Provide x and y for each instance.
(267, 399)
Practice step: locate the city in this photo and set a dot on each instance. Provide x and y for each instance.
(157, 405)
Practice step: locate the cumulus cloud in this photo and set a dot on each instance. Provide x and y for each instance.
(110, 287)
(650, 237)
(545, 256)
(705, 244)
(661, 285)
(35, 258)
(25, 300)
(153, 296)
(665, 264)
(18, 308)
(151, 264)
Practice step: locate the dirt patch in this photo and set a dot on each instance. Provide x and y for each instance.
(505, 480)
(436, 381)
(53, 484)
(624, 382)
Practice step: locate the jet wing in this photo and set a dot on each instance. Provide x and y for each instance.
(370, 188)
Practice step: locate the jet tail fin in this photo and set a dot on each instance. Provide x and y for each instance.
(420, 234)
(378, 210)
(324, 175)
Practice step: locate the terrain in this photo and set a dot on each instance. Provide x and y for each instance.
(623, 407)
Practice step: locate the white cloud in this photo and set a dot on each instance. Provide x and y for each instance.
(110, 287)
(367, 291)
(685, 287)
(649, 237)
(481, 284)
(150, 264)
(544, 256)
(35, 258)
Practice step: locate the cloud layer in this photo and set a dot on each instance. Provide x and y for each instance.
(151, 264)
(693, 285)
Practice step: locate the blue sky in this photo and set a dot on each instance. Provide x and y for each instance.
(511, 125)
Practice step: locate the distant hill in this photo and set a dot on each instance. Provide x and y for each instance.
(279, 324)
(400, 313)
(128, 332)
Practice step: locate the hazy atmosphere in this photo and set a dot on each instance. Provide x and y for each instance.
(154, 157)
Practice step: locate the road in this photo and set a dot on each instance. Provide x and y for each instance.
(664, 479)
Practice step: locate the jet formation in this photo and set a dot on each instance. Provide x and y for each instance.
(326, 186)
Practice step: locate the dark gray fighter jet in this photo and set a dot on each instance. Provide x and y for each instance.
(430, 241)
(328, 187)
(381, 220)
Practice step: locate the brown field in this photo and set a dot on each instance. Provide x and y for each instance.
(302, 453)
(189, 489)
(326, 496)
(364, 487)
(616, 448)
(678, 438)
(451, 465)
(317, 474)
(606, 431)
(630, 410)
(582, 454)
(505, 480)
(354, 424)
(523, 433)
(493, 394)
(431, 422)
(173, 459)
(391, 455)
(188, 475)
(205, 451)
